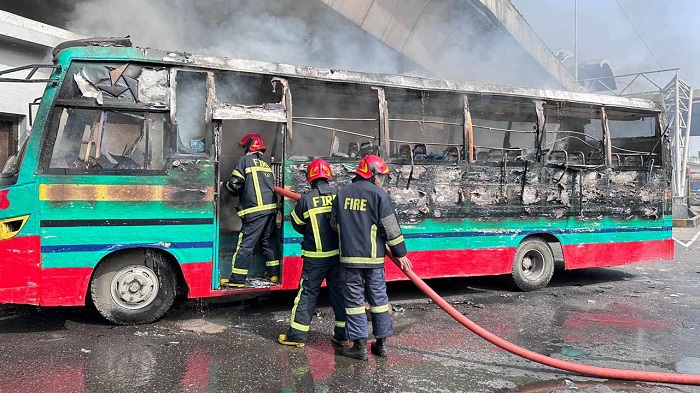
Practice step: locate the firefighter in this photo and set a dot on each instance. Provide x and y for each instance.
(319, 250)
(366, 222)
(253, 181)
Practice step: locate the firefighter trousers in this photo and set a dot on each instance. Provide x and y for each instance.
(313, 273)
(261, 228)
(370, 282)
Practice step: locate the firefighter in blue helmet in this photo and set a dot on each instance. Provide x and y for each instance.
(319, 250)
(253, 181)
(366, 223)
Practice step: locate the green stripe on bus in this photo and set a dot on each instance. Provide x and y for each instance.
(90, 258)
(513, 231)
(79, 210)
(57, 236)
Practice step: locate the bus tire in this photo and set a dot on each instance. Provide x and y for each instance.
(133, 287)
(533, 265)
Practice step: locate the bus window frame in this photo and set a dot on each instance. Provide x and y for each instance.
(385, 132)
(290, 153)
(658, 135)
(170, 146)
(532, 153)
(51, 134)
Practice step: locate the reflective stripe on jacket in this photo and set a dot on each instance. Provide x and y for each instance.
(366, 223)
(253, 180)
(311, 217)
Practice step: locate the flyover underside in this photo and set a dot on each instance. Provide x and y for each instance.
(474, 40)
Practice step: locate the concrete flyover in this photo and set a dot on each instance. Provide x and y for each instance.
(474, 40)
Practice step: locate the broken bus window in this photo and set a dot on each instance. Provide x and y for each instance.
(504, 128)
(425, 126)
(93, 139)
(334, 120)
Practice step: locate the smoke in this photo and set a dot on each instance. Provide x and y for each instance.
(303, 32)
(308, 32)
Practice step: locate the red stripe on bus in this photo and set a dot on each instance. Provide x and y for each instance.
(20, 265)
(456, 263)
(198, 277)
(66, 286)
(579, 256)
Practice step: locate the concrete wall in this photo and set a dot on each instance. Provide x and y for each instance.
(24, 41)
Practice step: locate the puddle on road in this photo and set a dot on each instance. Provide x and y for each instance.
(201, 326)
(688, 365)
(571, 385)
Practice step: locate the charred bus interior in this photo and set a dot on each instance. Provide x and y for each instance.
(484, 157)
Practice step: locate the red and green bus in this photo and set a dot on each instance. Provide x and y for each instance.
(115, 197)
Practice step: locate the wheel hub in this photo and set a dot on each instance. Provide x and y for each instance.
(135, 287)
(533, 264)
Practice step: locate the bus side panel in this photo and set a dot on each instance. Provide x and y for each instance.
(455, 263)
(579, 256)
(613, 242)
(20, 258)
(291, 272)
(87, 217)
(198, 277)
(64, 286)
(19, 270)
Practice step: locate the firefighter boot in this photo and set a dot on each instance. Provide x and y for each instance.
(228, 283)
(357, 351)
(379, 347)
(273, 279)
(285, 340)
(338, 344)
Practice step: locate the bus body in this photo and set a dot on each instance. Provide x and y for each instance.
(116, 197)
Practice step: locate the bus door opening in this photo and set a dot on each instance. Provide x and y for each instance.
(229, 222)
(244, 104)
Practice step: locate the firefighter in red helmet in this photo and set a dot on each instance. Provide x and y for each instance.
(253, 181)
(319, 250)
(366, 222)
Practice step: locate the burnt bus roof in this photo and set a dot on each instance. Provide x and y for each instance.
(121, 47)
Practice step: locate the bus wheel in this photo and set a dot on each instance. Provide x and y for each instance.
(133, 287)
(533, 265)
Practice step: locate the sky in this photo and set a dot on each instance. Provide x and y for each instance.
(670, 28)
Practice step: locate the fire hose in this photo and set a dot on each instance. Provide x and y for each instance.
(592, 371)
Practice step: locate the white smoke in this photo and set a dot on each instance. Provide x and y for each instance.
(303, 32)
(460, 44)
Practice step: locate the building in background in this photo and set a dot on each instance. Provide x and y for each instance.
(22, 41)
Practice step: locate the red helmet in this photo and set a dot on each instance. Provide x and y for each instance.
(252, 142)
(372, 165)
(318, 169)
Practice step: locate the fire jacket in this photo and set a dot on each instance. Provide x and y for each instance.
(253, 181)
(312, 218)
(366, 222)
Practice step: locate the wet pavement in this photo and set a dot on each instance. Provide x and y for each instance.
(642, 317)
